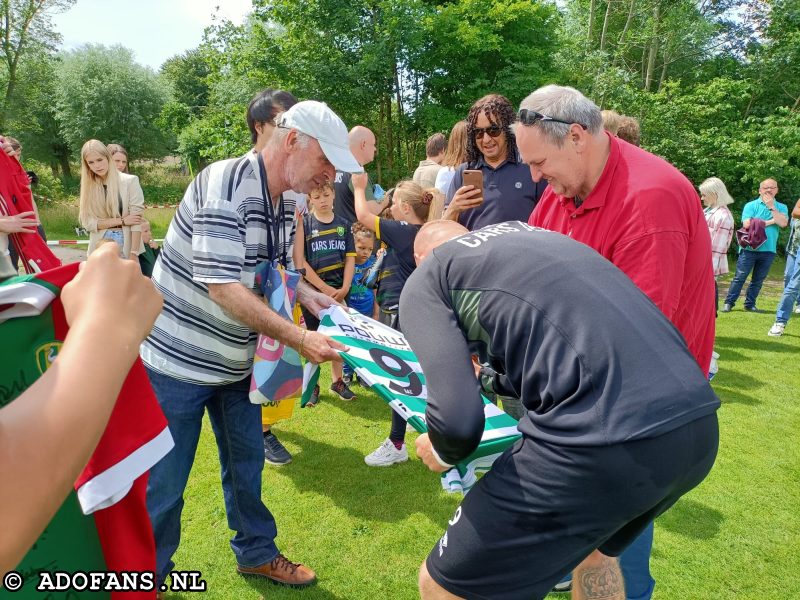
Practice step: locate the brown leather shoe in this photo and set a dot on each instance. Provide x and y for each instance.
(282, 571)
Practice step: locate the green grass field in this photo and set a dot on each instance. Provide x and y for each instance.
(366, 530)
(60, 219)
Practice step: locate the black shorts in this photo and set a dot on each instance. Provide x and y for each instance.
(543, 508)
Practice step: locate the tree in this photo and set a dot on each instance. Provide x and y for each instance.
(404, 68)
(102, 93)
(25, 31)
(187, 75)
(40, 132)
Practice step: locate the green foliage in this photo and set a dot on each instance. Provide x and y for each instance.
(215, 136)
(103, 93)
(27, 39)
(404, 68)
(715, 84)
(49, 185)
(482, 46)
(161, 183)
(187, 75)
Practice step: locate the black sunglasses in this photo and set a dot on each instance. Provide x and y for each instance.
(531, 117)
(493, 131)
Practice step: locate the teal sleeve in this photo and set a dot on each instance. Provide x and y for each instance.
(748, 211)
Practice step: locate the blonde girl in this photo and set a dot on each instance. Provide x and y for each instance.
(412, 206)
(111, 203)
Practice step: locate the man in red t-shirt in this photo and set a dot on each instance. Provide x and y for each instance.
(640, 213)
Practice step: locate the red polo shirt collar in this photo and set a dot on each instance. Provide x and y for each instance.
(597, 197)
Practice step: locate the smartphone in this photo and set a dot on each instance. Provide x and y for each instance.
(474, 177)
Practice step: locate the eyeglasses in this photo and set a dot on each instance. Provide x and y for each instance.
(493, 131)
(531, 117)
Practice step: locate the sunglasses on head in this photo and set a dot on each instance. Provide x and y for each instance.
(531, 117)
(493, 131)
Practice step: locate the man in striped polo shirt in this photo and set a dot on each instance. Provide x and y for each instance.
(200, 353)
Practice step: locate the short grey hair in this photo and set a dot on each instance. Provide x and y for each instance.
(280, 134)
(566, 104)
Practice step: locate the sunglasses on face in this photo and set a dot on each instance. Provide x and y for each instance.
(531, 117)
(493, 131)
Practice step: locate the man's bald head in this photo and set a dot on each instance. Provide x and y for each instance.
(433, 234)
(362, 144)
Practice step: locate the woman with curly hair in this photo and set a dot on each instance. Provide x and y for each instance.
(508, 192)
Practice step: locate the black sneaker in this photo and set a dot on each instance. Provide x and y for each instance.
(274, 451)
(314, 400)
(340, 388)
(752, 309)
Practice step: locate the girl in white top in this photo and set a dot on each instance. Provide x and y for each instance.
(455, 154)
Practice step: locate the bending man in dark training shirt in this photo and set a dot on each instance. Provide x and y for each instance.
(620, 421)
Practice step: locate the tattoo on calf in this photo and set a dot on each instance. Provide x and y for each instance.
(602, 583)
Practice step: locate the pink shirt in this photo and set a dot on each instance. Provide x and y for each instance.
(646, 218)
(720, 228)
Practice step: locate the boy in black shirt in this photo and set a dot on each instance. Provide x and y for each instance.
(329, 260)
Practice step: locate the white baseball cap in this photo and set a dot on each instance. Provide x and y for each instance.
(320, 122)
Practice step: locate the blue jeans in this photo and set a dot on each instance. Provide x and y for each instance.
(237, 427)
(791, 289)
(635, 566)
(757, 262)
(115, 235)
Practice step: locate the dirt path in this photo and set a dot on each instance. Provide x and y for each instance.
(69, 254)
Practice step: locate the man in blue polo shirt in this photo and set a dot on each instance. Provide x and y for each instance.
(508, 192)
(758, 260)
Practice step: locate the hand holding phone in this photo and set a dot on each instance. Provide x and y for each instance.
(468, 196)
(474, 177)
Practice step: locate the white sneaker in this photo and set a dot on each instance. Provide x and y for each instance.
(386, 455)
(777, 330)
(713, 368)
(797, 310)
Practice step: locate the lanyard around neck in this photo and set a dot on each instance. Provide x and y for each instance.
(274, 225)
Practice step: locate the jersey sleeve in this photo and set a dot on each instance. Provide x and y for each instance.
(454, 414)
(349, 240)
(136, 436)
(135, 439)
(397, 234)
